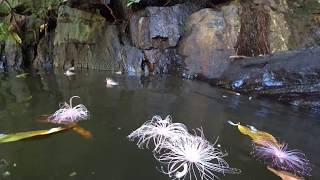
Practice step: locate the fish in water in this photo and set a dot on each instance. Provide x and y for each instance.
(69, 114)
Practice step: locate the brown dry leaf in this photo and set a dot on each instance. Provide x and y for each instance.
(284, 175)
(83, 132)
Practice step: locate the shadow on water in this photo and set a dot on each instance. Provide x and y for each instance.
(115, 112)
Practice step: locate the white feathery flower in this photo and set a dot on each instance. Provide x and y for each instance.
(158, 131)
(69, 114)
(194, 156)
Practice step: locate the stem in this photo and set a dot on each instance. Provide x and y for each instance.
(180, 174)
(234, 124)
(71, 100)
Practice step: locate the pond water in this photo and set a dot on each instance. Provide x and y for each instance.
(116, 112)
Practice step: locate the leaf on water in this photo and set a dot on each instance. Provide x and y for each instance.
(22, 76)
(284, 175)
(74, 126)
(259, 137)
(83, 132)
(4, 138)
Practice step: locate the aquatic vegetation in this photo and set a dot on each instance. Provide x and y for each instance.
(195, 157)
(69, 114)
(279, 157)
(158, 131)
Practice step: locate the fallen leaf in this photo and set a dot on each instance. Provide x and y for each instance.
(284, 175)
(259, 137)
(74, 126)
(4, 138)
(82, 131)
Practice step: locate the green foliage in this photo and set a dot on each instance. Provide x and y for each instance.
(131, 2)
(4, 10)
(42, 8)
(5, 32)
(13, 11)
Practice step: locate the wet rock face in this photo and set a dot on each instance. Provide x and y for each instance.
(163, 61)
(209, 41)
(254, 32)
(84, 40)
(158, 27)
(45, 50)
(288, 77)
(11, 56)
(157, 31)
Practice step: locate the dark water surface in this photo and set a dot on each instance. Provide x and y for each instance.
(115, 112)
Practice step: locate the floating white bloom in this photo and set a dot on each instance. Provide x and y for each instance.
(110, 82)
(279, 157)
(194, 156)
(158, 131)
(68, 114)
(70, 72)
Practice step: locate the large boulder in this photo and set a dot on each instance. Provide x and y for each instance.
(209, 41)
(157, 31)
(85, 40)
(159, 27)
(293, 24)
(291, 77)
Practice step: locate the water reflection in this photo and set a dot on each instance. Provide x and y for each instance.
(115, 112)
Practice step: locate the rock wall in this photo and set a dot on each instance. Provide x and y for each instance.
(196, 39)
(181, 37)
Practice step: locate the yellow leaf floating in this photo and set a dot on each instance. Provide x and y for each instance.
(4, 138)
(259, 137)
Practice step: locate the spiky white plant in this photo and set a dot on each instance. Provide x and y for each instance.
(279, 157)
(193, 155)
(69, 114)
(158, 131)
